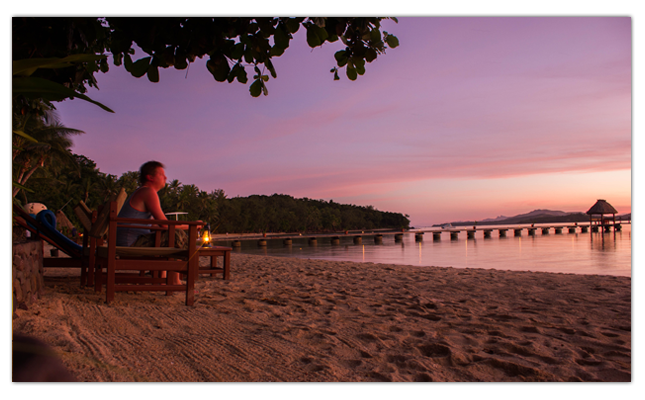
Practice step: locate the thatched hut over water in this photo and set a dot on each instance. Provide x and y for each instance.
(601, 208)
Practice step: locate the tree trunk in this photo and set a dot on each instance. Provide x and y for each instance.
(23, 178)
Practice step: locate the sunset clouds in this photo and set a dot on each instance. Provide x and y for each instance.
(468, 118)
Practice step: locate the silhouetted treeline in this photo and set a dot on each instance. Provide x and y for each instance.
(283, 213)
(63, 185)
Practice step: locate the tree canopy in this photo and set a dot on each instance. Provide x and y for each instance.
(62, 186)
(68, 51)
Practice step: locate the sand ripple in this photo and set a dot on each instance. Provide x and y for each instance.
(282, 319)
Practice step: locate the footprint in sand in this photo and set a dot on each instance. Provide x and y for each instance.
(397, 359)
(435, 350)
(367, 337)
(423, 377)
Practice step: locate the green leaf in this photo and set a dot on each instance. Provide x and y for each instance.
(140, 67)
(233, 73)
(375, 35)
(265, 78)
(218, 67)
(351, 72)
(16, 184)
(292, 24)
(280, 37)
(322, 33)
(181, 63)
(153, 73)
(391, 41)
(256, 88)
(241, 75)
(370, 55)
(23, 134)
(276, 51)
(341, 57)
(271, 68)
(118, 59)
(312, 37)
(238, 51)
(127, 62)
(33, 87)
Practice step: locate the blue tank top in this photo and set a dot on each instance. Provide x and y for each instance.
(127, 236)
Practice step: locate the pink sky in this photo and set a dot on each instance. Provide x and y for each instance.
(468, 118)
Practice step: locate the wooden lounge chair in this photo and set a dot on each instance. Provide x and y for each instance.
(79, 256)
(122, 268)
(56, 239)
(95, 227)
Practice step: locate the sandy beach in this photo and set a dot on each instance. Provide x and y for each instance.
(292, 320)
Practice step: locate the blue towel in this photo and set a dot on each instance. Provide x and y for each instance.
(48, 220)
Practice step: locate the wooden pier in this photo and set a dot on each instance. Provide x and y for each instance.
(378, 236)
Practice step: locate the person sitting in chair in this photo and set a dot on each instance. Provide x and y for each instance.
(144, 204)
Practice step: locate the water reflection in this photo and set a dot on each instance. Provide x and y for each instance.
(606, 241)
(582, 253)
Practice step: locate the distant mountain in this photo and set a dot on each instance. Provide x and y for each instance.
(533, 217)
(501, 217)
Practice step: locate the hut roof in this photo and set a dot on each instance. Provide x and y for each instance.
(602, 207)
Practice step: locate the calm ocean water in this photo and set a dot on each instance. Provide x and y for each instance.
(578, 253)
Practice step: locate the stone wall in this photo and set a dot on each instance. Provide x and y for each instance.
(27, 273)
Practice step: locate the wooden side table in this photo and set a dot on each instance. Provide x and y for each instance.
(213, 252)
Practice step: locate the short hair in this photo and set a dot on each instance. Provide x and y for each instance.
(148, 168)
